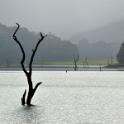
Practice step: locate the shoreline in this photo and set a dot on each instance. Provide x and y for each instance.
(65, 68)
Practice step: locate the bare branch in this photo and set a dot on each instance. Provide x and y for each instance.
(22, 50)
(34, 51)
(37, 86)
(23, 98)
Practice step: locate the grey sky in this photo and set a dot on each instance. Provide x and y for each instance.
(62, 17)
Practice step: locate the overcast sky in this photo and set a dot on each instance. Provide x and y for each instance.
(61, 17)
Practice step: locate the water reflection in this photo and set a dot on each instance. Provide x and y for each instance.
(25, 115)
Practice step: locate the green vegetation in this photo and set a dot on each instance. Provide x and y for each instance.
(90, 62)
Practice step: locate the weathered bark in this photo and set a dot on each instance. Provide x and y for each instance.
(28, 74)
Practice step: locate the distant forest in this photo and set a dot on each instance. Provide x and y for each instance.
(52, 48)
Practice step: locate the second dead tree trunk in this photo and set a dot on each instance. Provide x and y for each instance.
(28, 73)
(75, 60)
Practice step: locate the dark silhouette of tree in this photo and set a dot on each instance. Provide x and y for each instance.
(111, 60)
(100, 67)
(120, 55)
(28, 73)
(75, 60)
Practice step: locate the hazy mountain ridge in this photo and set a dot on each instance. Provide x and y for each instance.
(113, 32)
(51, 49)
(100, 43)
(97, 50)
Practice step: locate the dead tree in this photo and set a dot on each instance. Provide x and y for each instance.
(75, 60)
(28, 73)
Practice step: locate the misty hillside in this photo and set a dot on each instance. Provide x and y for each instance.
(97, 50)
(51, 49)
(113, 32)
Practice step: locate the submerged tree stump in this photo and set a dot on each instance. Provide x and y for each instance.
(28, 73)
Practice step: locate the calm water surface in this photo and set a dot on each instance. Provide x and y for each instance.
(64, 98)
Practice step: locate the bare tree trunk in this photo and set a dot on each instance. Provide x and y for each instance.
(31, 93)
(75, 60)
(31, 90)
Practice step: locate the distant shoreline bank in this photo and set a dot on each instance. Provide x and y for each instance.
(66, 68)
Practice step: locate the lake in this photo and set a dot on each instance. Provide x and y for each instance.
(82, 97)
